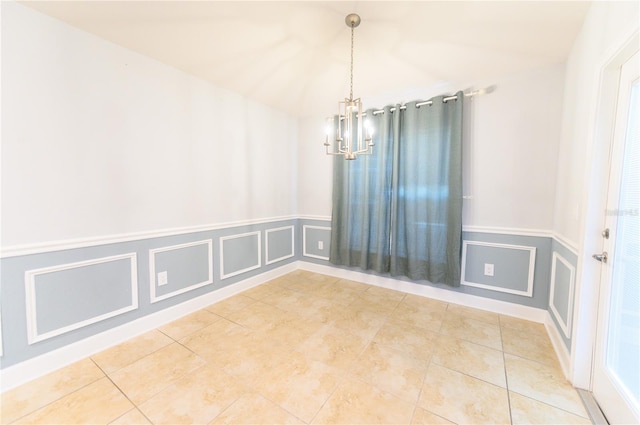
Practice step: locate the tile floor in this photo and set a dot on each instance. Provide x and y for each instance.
(309, 348)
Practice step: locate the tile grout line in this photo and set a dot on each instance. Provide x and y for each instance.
(59, 398)
(550, 405)
(135, 406)
(506, 377)
(424, 379)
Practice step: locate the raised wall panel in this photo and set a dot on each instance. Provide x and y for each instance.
(513, 267)
(240, 254)
(65, 297)
(315, 241)
(279, 244)
(188, 266)
(561, 292)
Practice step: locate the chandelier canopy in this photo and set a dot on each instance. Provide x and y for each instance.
(352, 136)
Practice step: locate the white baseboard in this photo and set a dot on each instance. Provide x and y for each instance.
(502, 307)
(558, 345)
(36, 367)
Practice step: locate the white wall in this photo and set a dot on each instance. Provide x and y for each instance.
(510, 153)
(98, 140)
(606, 27)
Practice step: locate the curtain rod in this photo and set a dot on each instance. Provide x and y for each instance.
(478, 92)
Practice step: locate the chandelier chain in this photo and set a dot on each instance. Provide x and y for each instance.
(351, 81)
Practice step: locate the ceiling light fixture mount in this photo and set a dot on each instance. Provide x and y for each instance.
(352, 20)
(350, 140)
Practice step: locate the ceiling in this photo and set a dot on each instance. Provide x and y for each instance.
(294, 56)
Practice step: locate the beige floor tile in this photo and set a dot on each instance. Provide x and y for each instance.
(149, 375)
(285, 299)
(320, 278)
(353, 285)
(227, 306)
(259, 292)
(521, 324)
(333, 347)
(382, 297)
(29, 397)
(391, 371)
(325, 313)
(473, 313)
(424, 302)
(298, 303)
(212, 336)
(299, 385)
(530, 345)
(359, 321)
(339, 292)
(189, 324)
(305, 286)
(423, 417)
(543, 383)
(300, 274)
(234, 349)
(472, 359)
(292, 330)
(252, 408)
(254, 354)
(374, 304)
(473, 331)
(412, 340)
(196, 398)
(419, 315)
(463, 399)
(526, 411)
(356, 402)
(257, 316)
(99, 402)
(132, 417)
(311, 283)
(128, 352)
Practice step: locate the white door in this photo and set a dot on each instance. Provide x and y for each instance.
(616, 374)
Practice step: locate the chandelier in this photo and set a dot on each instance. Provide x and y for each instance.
(350, 139)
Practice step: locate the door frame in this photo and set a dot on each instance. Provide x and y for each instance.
(594, 199)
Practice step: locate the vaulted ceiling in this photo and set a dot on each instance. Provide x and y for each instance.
(294, 56)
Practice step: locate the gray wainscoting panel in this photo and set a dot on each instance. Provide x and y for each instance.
(187, 267)
(280, 244)
(541, 269)
(240, 254)
(316, 241)
(561, 298)
(513, 267)
(561, 295)
(70, 296)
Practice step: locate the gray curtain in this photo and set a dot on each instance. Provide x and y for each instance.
(399, 211)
